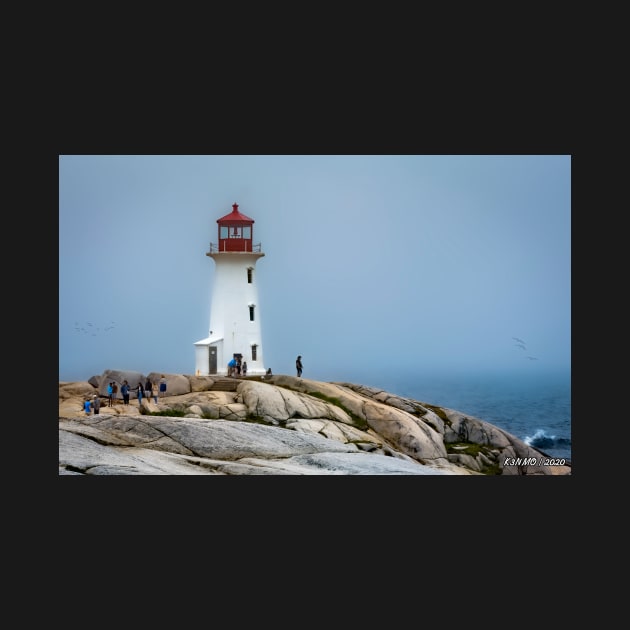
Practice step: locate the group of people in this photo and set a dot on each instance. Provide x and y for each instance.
(112, 391)
(237, 367)
(92, 405)
(148, 390)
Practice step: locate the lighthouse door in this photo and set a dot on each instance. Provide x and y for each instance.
(212, 360)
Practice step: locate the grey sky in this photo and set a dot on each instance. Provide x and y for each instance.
(373, 264)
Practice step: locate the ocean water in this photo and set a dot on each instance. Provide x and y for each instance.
(534, 407)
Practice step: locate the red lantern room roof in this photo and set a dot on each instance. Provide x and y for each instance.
(235, 216)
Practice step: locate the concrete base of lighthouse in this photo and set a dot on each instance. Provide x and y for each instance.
(211, 359)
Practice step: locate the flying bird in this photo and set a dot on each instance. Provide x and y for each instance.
(93, 328)
(520, 345)
(533, 358)
(519, 340)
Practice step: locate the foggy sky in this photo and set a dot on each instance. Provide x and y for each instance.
(373, 264)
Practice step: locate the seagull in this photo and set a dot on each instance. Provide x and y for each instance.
(520, 345)
(533, 358)
(517, 339)
(93, 328)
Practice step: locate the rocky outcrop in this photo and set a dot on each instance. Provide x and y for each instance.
(279, 425)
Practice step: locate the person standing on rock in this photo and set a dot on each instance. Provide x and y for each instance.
(114, 391)
(124, 390)
(148, 389)
(96, 404)
(87, 407)
(110, 394)
(140, 392)
(298, 365)
(162, 386)
(244, 369)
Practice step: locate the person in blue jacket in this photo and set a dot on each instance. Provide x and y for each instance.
(124, 390)
(232, 367)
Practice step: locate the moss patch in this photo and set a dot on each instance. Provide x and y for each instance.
(250, 417)
(438, 411)
(472, 449)
(357, 420)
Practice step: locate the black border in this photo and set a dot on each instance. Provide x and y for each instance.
(409, 118)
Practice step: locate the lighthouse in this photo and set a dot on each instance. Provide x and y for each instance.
(234, 308)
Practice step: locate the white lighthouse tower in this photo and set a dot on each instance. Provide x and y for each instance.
(234, 307)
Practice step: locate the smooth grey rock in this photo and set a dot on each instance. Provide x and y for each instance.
(281, 425)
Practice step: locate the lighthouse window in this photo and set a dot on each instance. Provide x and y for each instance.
(247, 232)
(235, 232)
(223, 232)
(250, 275)
(251, 313)
(254, 348)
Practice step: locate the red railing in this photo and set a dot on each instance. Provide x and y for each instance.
(247, 247)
